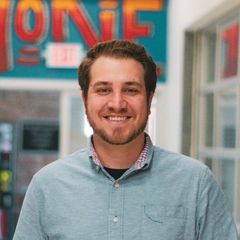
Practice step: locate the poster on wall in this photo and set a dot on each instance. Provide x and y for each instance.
(49, 38)
(38, 136)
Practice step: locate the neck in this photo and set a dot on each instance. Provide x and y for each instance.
(118, 156)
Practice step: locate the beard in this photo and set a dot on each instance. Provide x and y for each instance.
(118, 135)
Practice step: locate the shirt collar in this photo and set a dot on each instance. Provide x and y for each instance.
(142, 162)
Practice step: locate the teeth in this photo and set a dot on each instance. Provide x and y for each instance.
(117, 118)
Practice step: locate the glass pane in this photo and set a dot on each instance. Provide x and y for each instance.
(210, 55)
(229, 50)
(226, 120)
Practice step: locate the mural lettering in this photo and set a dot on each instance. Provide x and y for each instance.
(28, 25)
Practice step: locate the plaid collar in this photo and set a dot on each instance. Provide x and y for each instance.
(141, 162)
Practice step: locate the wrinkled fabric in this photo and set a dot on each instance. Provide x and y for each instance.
(172, 197)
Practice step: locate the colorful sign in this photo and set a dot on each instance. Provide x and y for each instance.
(230, 45)
(31, 31)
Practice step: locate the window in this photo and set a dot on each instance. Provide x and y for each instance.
(214, 136)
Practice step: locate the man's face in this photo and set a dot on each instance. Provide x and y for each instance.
(116, 105)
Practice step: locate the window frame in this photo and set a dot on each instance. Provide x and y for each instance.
(196, 90)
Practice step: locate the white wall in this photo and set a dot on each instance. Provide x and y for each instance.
(183, 14)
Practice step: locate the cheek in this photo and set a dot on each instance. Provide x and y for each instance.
(141, 108)
(94, 106)
(141, 104)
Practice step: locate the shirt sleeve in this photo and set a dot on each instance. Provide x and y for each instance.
(215, 221)
(29, 225)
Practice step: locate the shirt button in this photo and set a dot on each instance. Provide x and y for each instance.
(97, 168)
(115, 219)
(116, 185)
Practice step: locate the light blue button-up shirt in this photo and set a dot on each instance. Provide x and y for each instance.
(170, 197)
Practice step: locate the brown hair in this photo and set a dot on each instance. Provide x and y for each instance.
(118, 49)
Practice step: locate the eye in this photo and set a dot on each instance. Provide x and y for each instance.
(132, 91)
(103, 91)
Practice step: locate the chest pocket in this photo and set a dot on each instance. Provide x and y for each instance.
(163, 222)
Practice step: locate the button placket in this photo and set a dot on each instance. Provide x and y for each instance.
(116, 211)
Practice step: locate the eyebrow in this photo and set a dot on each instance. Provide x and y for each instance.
(129, 83)
(133, 83)
(100, 83)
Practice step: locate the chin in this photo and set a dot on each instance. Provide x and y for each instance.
(119, 138)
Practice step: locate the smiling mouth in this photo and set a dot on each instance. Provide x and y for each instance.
(117, 118)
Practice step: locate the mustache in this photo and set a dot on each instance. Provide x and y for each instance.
(113, 110)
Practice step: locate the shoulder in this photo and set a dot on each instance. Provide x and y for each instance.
(178, 166)
(176, 160)
(187, 172)
(63, 167)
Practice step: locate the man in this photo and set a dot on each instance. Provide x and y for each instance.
(121, 186)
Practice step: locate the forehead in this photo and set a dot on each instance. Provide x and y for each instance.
(111, 69)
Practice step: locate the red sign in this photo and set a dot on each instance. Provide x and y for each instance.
(230, 42)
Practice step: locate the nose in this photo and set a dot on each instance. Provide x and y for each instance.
(117, 103)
